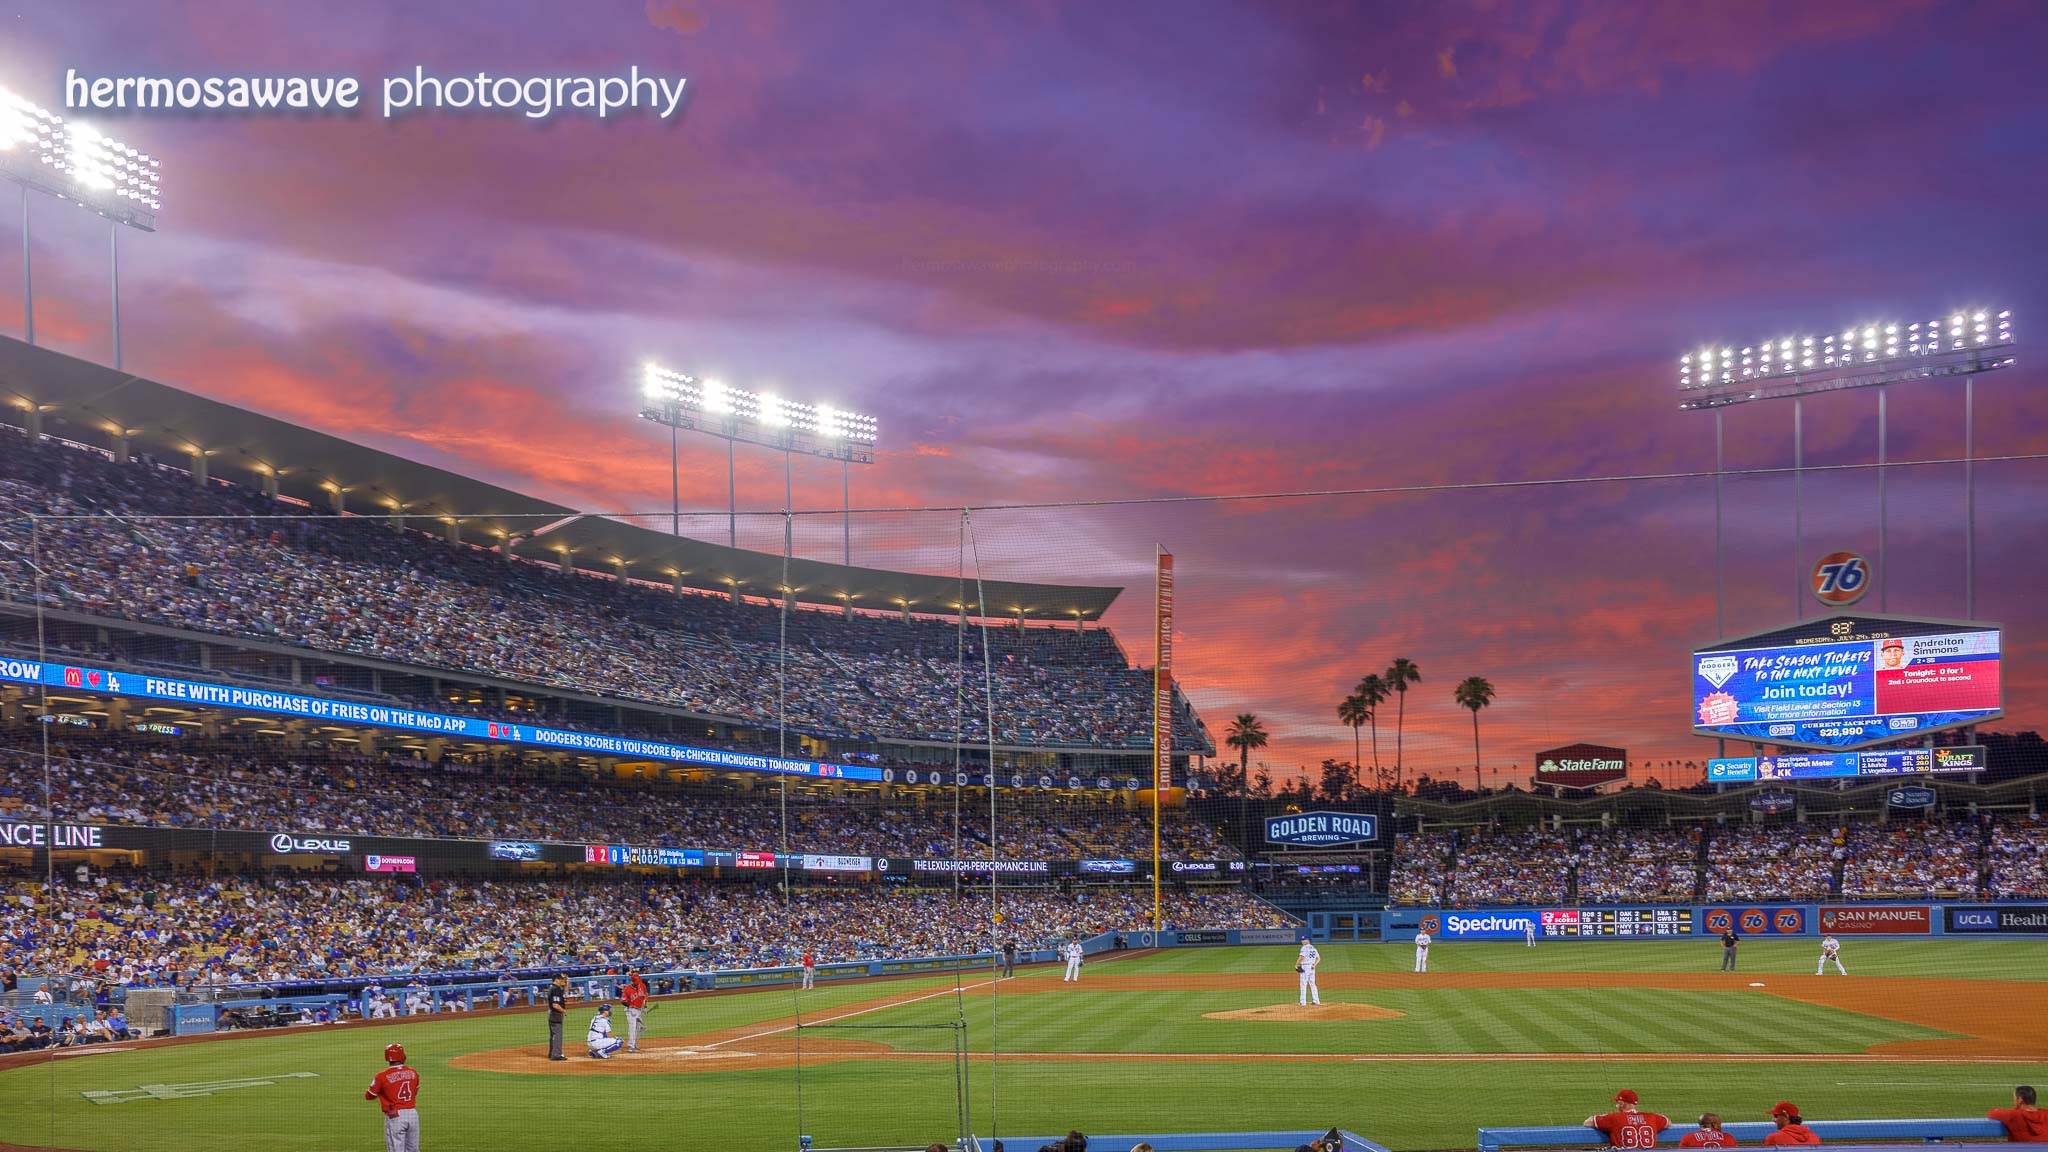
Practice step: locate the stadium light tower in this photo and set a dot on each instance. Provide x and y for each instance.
(43, 152)
(681, 402)
(1964, 342)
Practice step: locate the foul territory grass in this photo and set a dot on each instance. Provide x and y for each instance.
(1406, 1105)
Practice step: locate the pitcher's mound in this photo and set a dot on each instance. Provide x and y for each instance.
(1314, 1012)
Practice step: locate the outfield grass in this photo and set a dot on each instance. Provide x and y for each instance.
(1406, 1105)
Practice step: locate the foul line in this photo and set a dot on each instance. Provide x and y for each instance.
(848, 1015)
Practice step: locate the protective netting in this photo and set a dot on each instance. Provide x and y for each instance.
(264, 764)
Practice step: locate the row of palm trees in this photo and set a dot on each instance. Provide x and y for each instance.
(1361, 708)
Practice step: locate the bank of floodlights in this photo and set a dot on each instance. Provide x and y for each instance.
(76, 162)
(1962, 343)
(770, 415)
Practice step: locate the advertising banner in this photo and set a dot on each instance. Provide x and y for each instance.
(1205, 936)
(2027, 919)
(980, 867)
(814, 863)
(1270, 936)
(1581, 765)
(1911, 796)
(1752, 921)
(1848, 681)
(390, 864)
(1860, 921)
(1109, 867)
(1322, 829)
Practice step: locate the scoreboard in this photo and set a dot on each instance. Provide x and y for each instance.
(1590, 922)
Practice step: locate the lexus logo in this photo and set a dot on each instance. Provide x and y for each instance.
(882, 865)
(284, 845)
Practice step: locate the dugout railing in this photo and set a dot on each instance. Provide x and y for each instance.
(1934, 1131)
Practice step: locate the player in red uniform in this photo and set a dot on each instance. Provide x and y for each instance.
(2024, 1123)
(1627, 1126)
(635, 996)
(810, 969)
(1708, 1135)
(397, 1091)
(1791, 1129)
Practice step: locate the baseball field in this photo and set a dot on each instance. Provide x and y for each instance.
(1181, 1041)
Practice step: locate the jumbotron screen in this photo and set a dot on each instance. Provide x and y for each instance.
(1847, 681)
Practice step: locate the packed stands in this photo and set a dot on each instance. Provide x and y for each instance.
(138, 543)
(263, 784)
(1913, 860)
(2016, 859)
(1519, 867)
(155, 928)
(1420, 867)
(1638, 866)
(2001, 857)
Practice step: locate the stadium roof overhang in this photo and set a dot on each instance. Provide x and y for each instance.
(77, 400)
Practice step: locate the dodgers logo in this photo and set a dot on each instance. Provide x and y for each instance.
(1753, 920)
(1718, 670)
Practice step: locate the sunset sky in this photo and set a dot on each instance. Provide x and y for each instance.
(1110, 252)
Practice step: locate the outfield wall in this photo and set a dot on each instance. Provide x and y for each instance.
(1747, 919)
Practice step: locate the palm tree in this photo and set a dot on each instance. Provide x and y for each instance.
(1398, 676)
(1244, 734)
(1474, 692)
(1373, 691)
(1353, 710)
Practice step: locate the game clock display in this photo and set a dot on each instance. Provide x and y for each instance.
(1585, 922)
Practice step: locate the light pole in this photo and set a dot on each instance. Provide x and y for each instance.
(72, 161)
(1966, 344)
(684, 402)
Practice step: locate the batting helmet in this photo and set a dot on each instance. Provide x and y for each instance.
(394, 1053)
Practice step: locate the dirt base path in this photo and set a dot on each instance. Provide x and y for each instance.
(1998, 1021)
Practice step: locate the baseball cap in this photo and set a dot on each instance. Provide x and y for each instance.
(1628, 1096)
(1784, 1108)
(1896, 643)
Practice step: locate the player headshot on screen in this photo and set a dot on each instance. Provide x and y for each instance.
(1894, 653)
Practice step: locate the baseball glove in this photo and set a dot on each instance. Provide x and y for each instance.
(1297, 969)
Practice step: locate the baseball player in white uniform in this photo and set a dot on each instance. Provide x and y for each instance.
(1529, 932)
(602, 1042)
(1422, 951)
(1306, 965)
(1072, 951)
(1830, 949)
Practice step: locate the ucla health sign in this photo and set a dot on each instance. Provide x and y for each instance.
(240, 698)
(1321, 829)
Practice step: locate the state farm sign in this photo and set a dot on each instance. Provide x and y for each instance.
(1853, 921)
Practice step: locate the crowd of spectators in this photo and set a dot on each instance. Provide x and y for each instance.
(264, 784)
(1773, 862)
(1523, 866)
(2016, 860)
(1992, 857)
(1420, 860)
(1637, 865)
(186, 929)
(1915, 859)
(136, 542)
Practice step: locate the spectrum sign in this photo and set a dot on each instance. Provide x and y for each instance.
(1848, 681)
